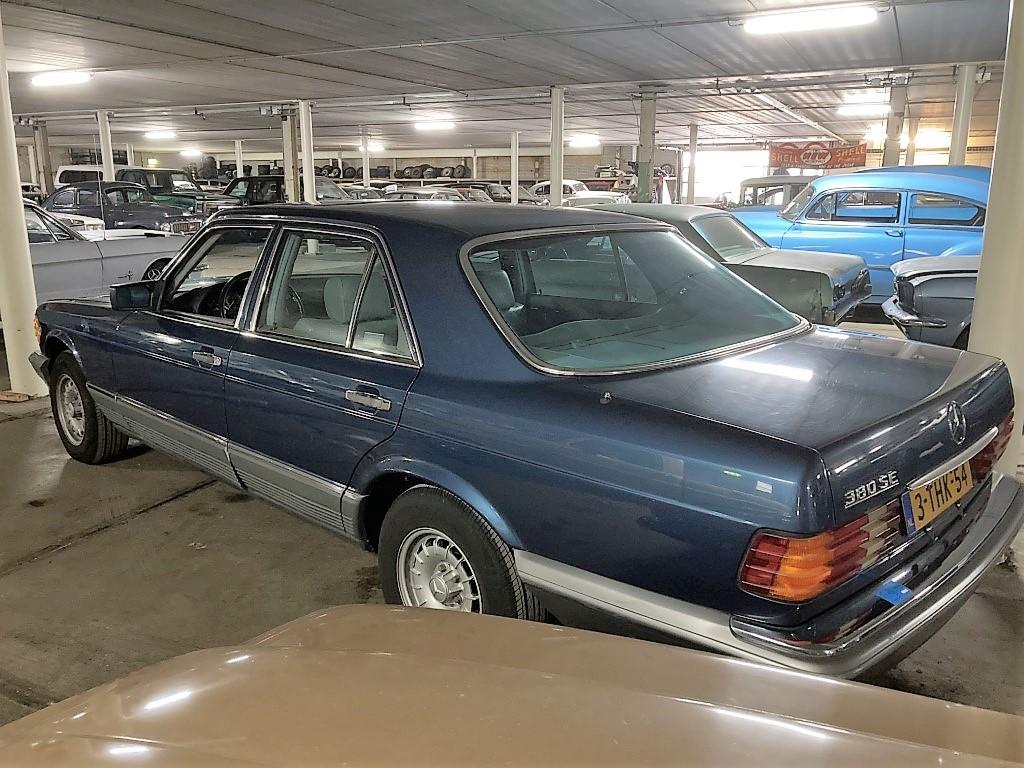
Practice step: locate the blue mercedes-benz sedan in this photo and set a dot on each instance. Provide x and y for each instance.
(883, 215)
(533, 412)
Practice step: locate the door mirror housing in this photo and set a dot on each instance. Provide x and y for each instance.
(129, 296)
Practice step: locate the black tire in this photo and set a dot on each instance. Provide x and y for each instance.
(447, 171)
(502, 592)
(430, 172)
(963, 338)
(460, 171)
(154, 270)
(417, 172)
(349, 172)
(101, 440)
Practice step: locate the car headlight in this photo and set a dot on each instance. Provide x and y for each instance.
(165, 226)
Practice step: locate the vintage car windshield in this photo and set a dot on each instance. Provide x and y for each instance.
(618, 301)
(328, 190)
(727, 236)
(170, 181)
(792, 210)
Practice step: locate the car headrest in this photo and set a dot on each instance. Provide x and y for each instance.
(340, 297)
(498, 287)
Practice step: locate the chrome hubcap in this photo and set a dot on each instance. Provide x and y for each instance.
(434, 573)
(70, 409)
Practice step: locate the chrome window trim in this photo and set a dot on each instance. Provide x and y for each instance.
(955, 461)
(348, 229)
(539, 365)
(364, 280)
(901, 214)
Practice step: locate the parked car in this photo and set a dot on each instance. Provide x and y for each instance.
(331, 688)
(424, 193)
(268, 190)
(494, 192)
(934, 299)
(884, 216)
(357, 192)
(119, 204)
(74, 174)
(174, 186)
(593, 419)
(770, 192)
(823, 288)
(575, 193)
(65, 264)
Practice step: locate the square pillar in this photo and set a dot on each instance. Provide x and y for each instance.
(645, 155)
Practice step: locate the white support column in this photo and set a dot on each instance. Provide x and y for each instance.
(995, 329)
(129, 154)
(966, 77)
(894, 125)
(678, 197)
(291, 158)
(691, 174)
(106, 147)
(239, 161)
(306, 132)
(41, 148)
(557, 127)
(17, 287)
(513, 184)
(33, 166)
(912, 126)
(473, 166)
(645, 156)
(365, 149)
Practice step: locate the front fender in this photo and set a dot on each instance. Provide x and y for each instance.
(61, 336)
(374, 465)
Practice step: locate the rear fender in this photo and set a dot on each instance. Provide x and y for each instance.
(373, 467)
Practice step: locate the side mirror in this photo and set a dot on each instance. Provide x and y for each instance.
(129, 296)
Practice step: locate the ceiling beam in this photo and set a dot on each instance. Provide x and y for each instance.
(787, 110)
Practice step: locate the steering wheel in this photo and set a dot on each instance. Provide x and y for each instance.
(231, 294)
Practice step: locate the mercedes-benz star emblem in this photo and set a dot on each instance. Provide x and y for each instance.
(957, 423)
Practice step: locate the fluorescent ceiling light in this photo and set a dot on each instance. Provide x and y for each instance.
(374, 146)
(585, 140)
(191, 152)
(160, 134)
(863, 110)
(834, 17)
(153, 162)
(877, 133)
(932, 139)
(68, 77)
(433, 125)
(871, 97)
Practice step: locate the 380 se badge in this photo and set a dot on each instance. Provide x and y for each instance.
(870, 489)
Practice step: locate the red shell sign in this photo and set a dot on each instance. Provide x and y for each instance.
(816, 154)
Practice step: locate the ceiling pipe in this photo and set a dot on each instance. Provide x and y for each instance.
(785, 109)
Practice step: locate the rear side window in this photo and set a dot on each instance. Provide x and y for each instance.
(75, 176)
(867, 206)
(67, 197)
(938, 210)
(334, 289)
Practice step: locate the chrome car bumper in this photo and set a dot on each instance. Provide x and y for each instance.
(905, 319)
(879, 643)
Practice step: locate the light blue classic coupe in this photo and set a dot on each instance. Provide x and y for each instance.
(884, 215)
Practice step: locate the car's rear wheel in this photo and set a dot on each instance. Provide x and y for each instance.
(88, 436)
(438, 552)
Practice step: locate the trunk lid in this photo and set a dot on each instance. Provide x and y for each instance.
(868, 404)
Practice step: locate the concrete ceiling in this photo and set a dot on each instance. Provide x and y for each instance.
(485, 64)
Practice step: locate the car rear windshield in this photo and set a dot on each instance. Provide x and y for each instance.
(617, 301)
(727, 236)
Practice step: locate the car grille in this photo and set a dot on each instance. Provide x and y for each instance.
(905, 293)
(186, 226)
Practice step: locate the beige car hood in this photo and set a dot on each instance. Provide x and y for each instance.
(374, 685)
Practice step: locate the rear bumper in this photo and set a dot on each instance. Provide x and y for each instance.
(905, 319)
(880, 642)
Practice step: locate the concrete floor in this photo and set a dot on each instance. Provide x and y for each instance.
(107, 569)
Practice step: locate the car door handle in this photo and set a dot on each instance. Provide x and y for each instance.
(894, 232)
(368, 399)
(207, 358)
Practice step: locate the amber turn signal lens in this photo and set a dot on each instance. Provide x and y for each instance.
(38, 329)
(799, 569)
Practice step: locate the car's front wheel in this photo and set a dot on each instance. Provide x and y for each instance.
(88, 436)
(438, 552)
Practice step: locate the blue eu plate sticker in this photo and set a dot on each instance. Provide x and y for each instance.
(893, 592)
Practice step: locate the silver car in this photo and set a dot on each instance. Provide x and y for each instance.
(65, 264)
(934, 299)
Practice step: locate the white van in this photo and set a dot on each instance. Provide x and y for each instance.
(72, 174)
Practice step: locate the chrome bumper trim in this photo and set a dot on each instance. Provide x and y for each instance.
(901, 317)
(897, 631)
(965, 455)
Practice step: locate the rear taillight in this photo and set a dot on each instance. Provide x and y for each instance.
(798, 569)
(985, 459)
